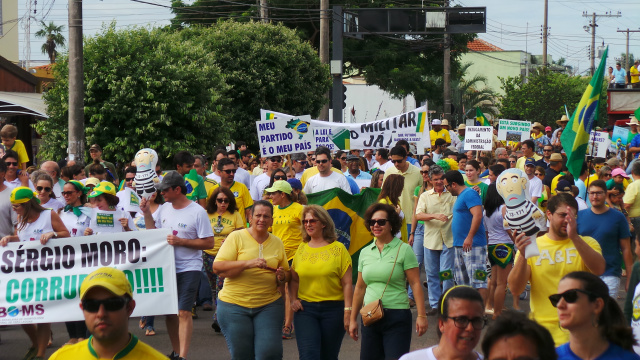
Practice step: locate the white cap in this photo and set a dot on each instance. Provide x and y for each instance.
(436, 122)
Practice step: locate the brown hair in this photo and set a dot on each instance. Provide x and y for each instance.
(30, 207)
(9, 131)
(392, 216)
(212, 205)
(392, 188)
(329, 232)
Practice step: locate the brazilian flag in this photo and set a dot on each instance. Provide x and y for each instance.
(446, 275)
(480, 275)
(481, 120)
(342, 139)
(347, 212)
(191, 182)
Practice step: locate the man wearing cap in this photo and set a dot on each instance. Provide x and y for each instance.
(227, 169)
(539, 138)
(353, 165)
(438, 149)
(555, 167)
(619, 77)
(562, 123)
(95, 151)
(528, 151)
(107, 303)
(462, 128)
(612, 237)
(535, 184)
(191, 233)
(437, 132)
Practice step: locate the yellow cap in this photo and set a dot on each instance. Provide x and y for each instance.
(104, 188)
(21, 195)
(111, 279)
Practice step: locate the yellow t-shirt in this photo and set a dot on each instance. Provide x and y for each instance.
(253, 287)
(242, 195)
(287, 225)
(320, 271)
(403, 230)
(313, 171)
(631, 197)
(522, 160)
(227, 223)
(442, 134)
(209, 185)
(556, 259)
(135, 350)
(18, 147)
(634, 74)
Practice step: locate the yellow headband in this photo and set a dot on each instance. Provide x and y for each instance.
(447, 293)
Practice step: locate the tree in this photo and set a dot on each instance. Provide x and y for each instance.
(544, 96)
(143, 88)
(54, 39)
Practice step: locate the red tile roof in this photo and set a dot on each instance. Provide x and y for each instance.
(481, 45)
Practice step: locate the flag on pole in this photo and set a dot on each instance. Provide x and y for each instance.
(481, 120)
(575, 136)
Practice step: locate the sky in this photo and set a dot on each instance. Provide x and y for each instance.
(511, 25)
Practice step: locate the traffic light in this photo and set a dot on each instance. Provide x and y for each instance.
(344, 96)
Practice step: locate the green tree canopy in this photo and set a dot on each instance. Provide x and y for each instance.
(52, 34)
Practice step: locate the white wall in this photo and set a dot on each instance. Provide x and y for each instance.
(9, 33)
(370, 101)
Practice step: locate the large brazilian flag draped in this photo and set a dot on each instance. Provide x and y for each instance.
(347, 212)
(575, 136)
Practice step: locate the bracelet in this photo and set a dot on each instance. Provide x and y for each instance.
(424, 316)
(348, 309)
(413, 233)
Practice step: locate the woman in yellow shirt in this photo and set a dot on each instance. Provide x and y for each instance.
(224, 218)
(321, 287)
(250, 308)
(287, 225)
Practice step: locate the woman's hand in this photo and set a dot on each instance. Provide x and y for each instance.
(125, 224)
(347, 319)
(88, 232)
(421, 325)
(296, 305)
(256, 263)
(353, 330)
(44, 238)
(280, 275)
(5, 240)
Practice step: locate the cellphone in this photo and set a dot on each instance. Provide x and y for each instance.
(18, 171)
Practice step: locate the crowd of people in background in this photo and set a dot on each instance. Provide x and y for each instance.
(268, 265)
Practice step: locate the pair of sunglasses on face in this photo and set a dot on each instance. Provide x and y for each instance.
(570, 296)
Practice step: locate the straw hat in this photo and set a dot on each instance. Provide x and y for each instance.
(462, 127)
(633, 121)
(537, 125)
(445, 122)
(564, 119)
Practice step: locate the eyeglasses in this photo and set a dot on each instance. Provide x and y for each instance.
(280, 177)
(512, 162)
(313, 159)
(537, 174)
(570, 296)
(423, 172)
(596, 193)
(302, 162)
(222, 200)
(606, 175)
(67, 193)
(322, 161)
(111, 304)
(230, 171)
(397, 161)
(275, 160)
(380, 222)
(343, 158)
(11, 163)
(309, 222)
(45, 188)
(129, 179)
(545, 150)
(461, 322)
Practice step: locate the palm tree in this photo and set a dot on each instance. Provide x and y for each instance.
(54, 39)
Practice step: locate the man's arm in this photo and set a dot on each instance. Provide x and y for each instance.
(197, 244)
(627, 257)
(476, 211)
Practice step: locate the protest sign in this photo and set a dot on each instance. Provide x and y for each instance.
(478, 138)
(620, 133)
(41, 283)
(411, 126)
(286, 136)
(598, 143)
(514, 130)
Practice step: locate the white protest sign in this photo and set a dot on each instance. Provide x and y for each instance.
(41, 283)
(514, 130)
(600, 141)
(286, 136)
(478, 138)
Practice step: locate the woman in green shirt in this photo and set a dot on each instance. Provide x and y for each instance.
(472, 170)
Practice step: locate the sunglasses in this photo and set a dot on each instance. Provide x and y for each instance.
(397, 161)
(322, 161)
(302, 162)
(380, 222)
(570, 296)
(11, 163)
(309, 222)
(461, 322)
(275, 160)
(512, 162)
(608, 174)
(537, 174)
(129, 179)
(46, 188)
(280, 177)
(343, 158)
(230, 171)
(222, 200)
(423, 172)
(67, 193)
(111, 304)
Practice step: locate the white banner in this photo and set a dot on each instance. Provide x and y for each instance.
(41, 283)
(600, 142)
(514, 130)
(412, 126)
(478, 138)
(277, 137)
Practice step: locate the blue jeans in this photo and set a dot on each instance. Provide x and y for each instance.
(389, 338)
(252, 333)
(418, 241)
(434, 262)
(319, 329)
(204, 290)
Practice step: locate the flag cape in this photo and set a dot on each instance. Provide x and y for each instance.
(575, 137)
(481, 120)
(191, 182)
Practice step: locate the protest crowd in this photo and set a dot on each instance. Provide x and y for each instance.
(256, 249)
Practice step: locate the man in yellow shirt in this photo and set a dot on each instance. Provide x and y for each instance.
(562, 251)
(631, 198)
(635, 75)
(528, 150)
(107, 303)
(437, 132)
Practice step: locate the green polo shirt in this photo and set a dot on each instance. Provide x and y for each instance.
(376, 267)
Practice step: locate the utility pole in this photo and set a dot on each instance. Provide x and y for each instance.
(76, 83)
(593, 26)
(325, 23)
(447, 71)
(626, 60)
(264, 12)
(545, 32)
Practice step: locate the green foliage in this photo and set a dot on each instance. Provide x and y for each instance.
(143, 88)
(543, 97)
(53, 39)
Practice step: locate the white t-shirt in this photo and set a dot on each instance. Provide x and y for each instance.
(259, 184)
(16, 182)
(53, 204)
(57, 188)
(425, 354)
(74, 224)
(105, 221)
(33, 231)
(190, 222)
(386, 165)
(243, 176)
(582, 205)
(635, 323)
(496, 229)
(317, 183)
(535, 187)
(215, 177)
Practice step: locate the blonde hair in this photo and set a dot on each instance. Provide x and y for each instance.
(329, 232)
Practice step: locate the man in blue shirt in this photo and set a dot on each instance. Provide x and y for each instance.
(620, 77)
(469, 238)
(611, 230)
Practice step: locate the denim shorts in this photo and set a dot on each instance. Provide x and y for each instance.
(188, 283)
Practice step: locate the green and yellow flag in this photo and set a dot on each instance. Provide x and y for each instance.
(191, 182)
(445, 275)
(481, 120)
(422, 122)
(575, 137)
